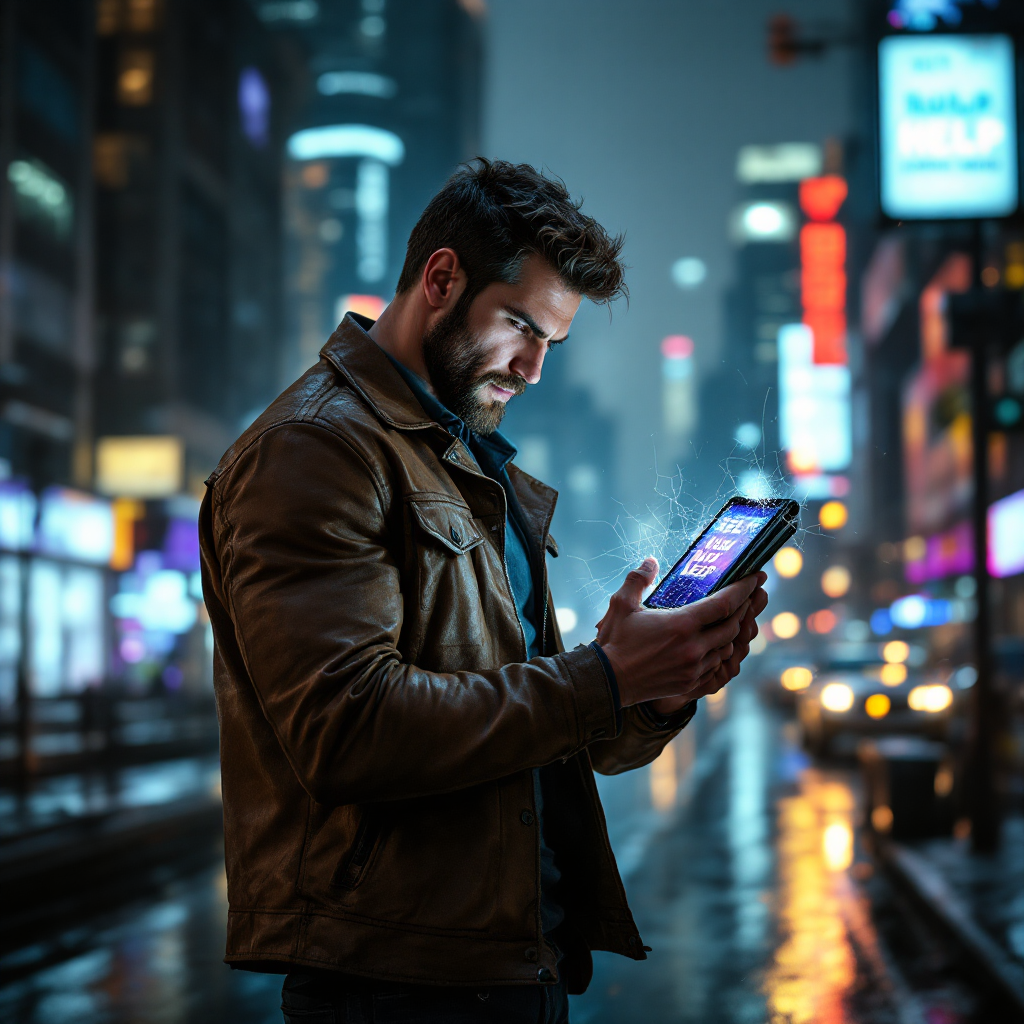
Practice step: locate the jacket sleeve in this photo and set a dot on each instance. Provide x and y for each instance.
(302, 550)
(643, 737)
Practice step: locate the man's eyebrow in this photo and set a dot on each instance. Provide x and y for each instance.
(532, 324)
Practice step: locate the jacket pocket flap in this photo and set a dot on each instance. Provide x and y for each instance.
(449, 523)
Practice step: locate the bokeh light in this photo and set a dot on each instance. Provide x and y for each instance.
(833, 515)
(567, 619)
(881, 818)
(932, 698)
(835, 581)
(896, 652)
(837, 697)
(796, 677)
(823, 621)
(664, 779)
(877, 705)
(837, 846)
(788, 562)
(893, 675)
(785, 625)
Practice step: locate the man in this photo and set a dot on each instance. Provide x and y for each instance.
(411, 822)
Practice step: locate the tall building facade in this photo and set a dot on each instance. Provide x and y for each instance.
(140, 329)
(391, 107)
(46, 239)
(187, 160)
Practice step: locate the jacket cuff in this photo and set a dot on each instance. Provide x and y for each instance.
(597, 708)
(668, 723)
(613, 683)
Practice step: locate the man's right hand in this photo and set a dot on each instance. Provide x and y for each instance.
(659, 652)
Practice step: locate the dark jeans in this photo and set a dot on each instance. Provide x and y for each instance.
(343, 999)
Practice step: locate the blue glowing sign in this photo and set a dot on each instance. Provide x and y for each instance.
(948, 126)
(925, 15)
(254, 106)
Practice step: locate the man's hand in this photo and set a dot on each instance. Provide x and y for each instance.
(672, 656)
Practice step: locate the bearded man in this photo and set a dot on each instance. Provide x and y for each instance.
(412, 827)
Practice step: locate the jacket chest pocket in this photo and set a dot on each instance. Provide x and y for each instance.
(446, 522)
(455, 576)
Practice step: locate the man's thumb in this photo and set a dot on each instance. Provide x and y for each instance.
(636, 582)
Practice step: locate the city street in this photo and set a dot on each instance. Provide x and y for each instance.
(743, 868)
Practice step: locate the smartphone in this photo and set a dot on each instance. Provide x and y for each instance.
(744, 535)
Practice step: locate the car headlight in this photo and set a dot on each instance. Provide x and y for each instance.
(933, 698)
(796, 677)
(837, 697)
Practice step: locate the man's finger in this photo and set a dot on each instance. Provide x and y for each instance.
(630, 594)
(721, 605)
(724, 632)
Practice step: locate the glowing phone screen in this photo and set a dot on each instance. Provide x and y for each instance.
(719, 548)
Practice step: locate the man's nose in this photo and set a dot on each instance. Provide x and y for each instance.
(528, 363)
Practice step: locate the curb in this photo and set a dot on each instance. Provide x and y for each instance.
(944, 907)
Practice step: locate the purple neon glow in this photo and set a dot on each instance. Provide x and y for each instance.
(946, 554)
(181, 546)
(254, 106)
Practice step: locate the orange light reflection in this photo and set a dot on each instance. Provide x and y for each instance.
(814, 966)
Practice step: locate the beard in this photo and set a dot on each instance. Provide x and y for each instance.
(454, 358)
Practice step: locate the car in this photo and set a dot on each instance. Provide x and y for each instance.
(850, 703)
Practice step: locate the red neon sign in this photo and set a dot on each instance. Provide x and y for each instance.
(823, 267)
(820, 198)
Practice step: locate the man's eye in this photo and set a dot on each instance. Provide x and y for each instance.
(521, 328)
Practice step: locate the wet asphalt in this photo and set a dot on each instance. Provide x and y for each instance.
(742, 865)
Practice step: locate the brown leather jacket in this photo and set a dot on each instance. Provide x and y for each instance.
(379, 721)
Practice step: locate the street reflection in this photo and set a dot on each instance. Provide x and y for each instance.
(814, 967)
(664, 779)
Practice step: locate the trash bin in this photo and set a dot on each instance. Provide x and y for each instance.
(909, 787)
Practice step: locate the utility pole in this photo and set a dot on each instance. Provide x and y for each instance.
(980, 320)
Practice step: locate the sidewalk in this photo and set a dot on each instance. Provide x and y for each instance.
(65, 841)
(977, 900)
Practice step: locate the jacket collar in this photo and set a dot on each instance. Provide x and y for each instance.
(363, 363)
(366, 367)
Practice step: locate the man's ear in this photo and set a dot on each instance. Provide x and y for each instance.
(443, 279)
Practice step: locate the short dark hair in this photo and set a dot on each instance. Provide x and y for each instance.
(494, 214)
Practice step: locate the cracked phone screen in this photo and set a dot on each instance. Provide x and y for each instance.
(700, 569)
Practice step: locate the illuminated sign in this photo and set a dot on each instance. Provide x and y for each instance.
(76, 526)
(789, 161)
(1006, 536)
(370, 306)
(823, 267)
(41, 196)
(950, 553)
(679, 404)
(358, 83)
(948, 126)
(139, 467)
(254, 107)
(17, 516)
(814, 405)
(925, 15)
(763, 221)
(347, 140)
